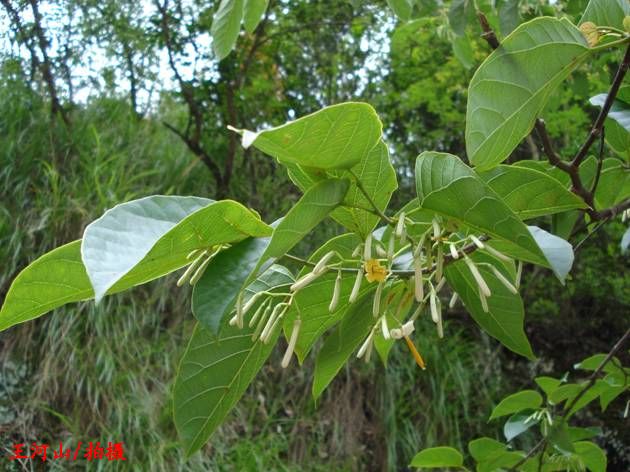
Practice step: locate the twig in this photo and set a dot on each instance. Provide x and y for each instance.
(567, 409)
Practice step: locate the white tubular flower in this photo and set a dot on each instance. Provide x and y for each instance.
(376, 306)
(504, 280)
(357, 286)
(440, 285)
(201, 269)
(453, 249)
(321, 265)
(261, 322)
(190, 269)
(396, 333)
(357, 250)
(440, 328)
(483, 286)
(385, 328)
(439, 264)
(367, 248)
(239, 310)
(477, 241)
(390, 249)
(453, 301)
(497, 254)
(292, 341)
(484, 301)
(264, 336)
(259, 312)
(233, 321)
(364, 347)
(400, 226)
(250, 303)
(433, 303)
(436, 229)
(336, 293)
(304, 281)
(194, 253)
(519, 273)
(407, 328)
(368, 353)
(418, 287)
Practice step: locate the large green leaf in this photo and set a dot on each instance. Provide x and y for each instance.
(505, 316)
(213, 375)
(378, 178)
(606, 12)
(460, 14)
(614, 184)
(53, 280)
(254, 10)
(148, 238)
(342, 342)
(530, 193)
(523, 400)
(482, 449)
(591, 455)
(512, 86)
(335, 137)
(617, 125)
(215, 294)
(448, 186)
(402, 8)
(438, 458)
(312, 301)
(226, 25)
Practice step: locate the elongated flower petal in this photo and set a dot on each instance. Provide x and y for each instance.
(519, 273)
(483, 286)
(201, 269)
(400, 225)
(453, 249)
(417, 279)
(408, 328)
(321, 265)
(304, 281)
(414, 352)
(439, 267)
(435, 315)
(385, 328)
(497, 254)
(356, 287)
(292, 340)
(453, 301)
(367, 249)
(336, 293)
(484, 301)
(477, 241)
(503, 280)
(262, 322)
(190, 269)
(365, 345)
(259, 311)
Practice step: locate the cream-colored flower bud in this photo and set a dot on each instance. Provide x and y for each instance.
(453, 249)
(336, 293)
(321, 265)
(357, 286)
(367, 248)
(483, 286)
(385, 328)
(292, 341)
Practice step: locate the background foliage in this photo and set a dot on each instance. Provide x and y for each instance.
(144, 111)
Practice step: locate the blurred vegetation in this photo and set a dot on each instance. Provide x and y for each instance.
(99, 373)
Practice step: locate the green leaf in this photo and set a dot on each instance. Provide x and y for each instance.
(308, 212)
(505, 317)
(523, 400)
(593, 362)
(559, 437)
(463, 51)
(547, 384)
(215, 294)
(335, 137)
(144, 239)
(482, 449)
(378, 178)
(511, 87)
(578, 434)
(226, 25)
(606, 13)
(517, 424)
(437, 457)
(591, 456)
(557, 251)
(448, 186)
(53, 280)
(530, 193)
(402, 8)
(460, 14)
(509, 15)
(340, 345)
(213, 375)
(500, 461)
(254, 11)
(614, 184)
